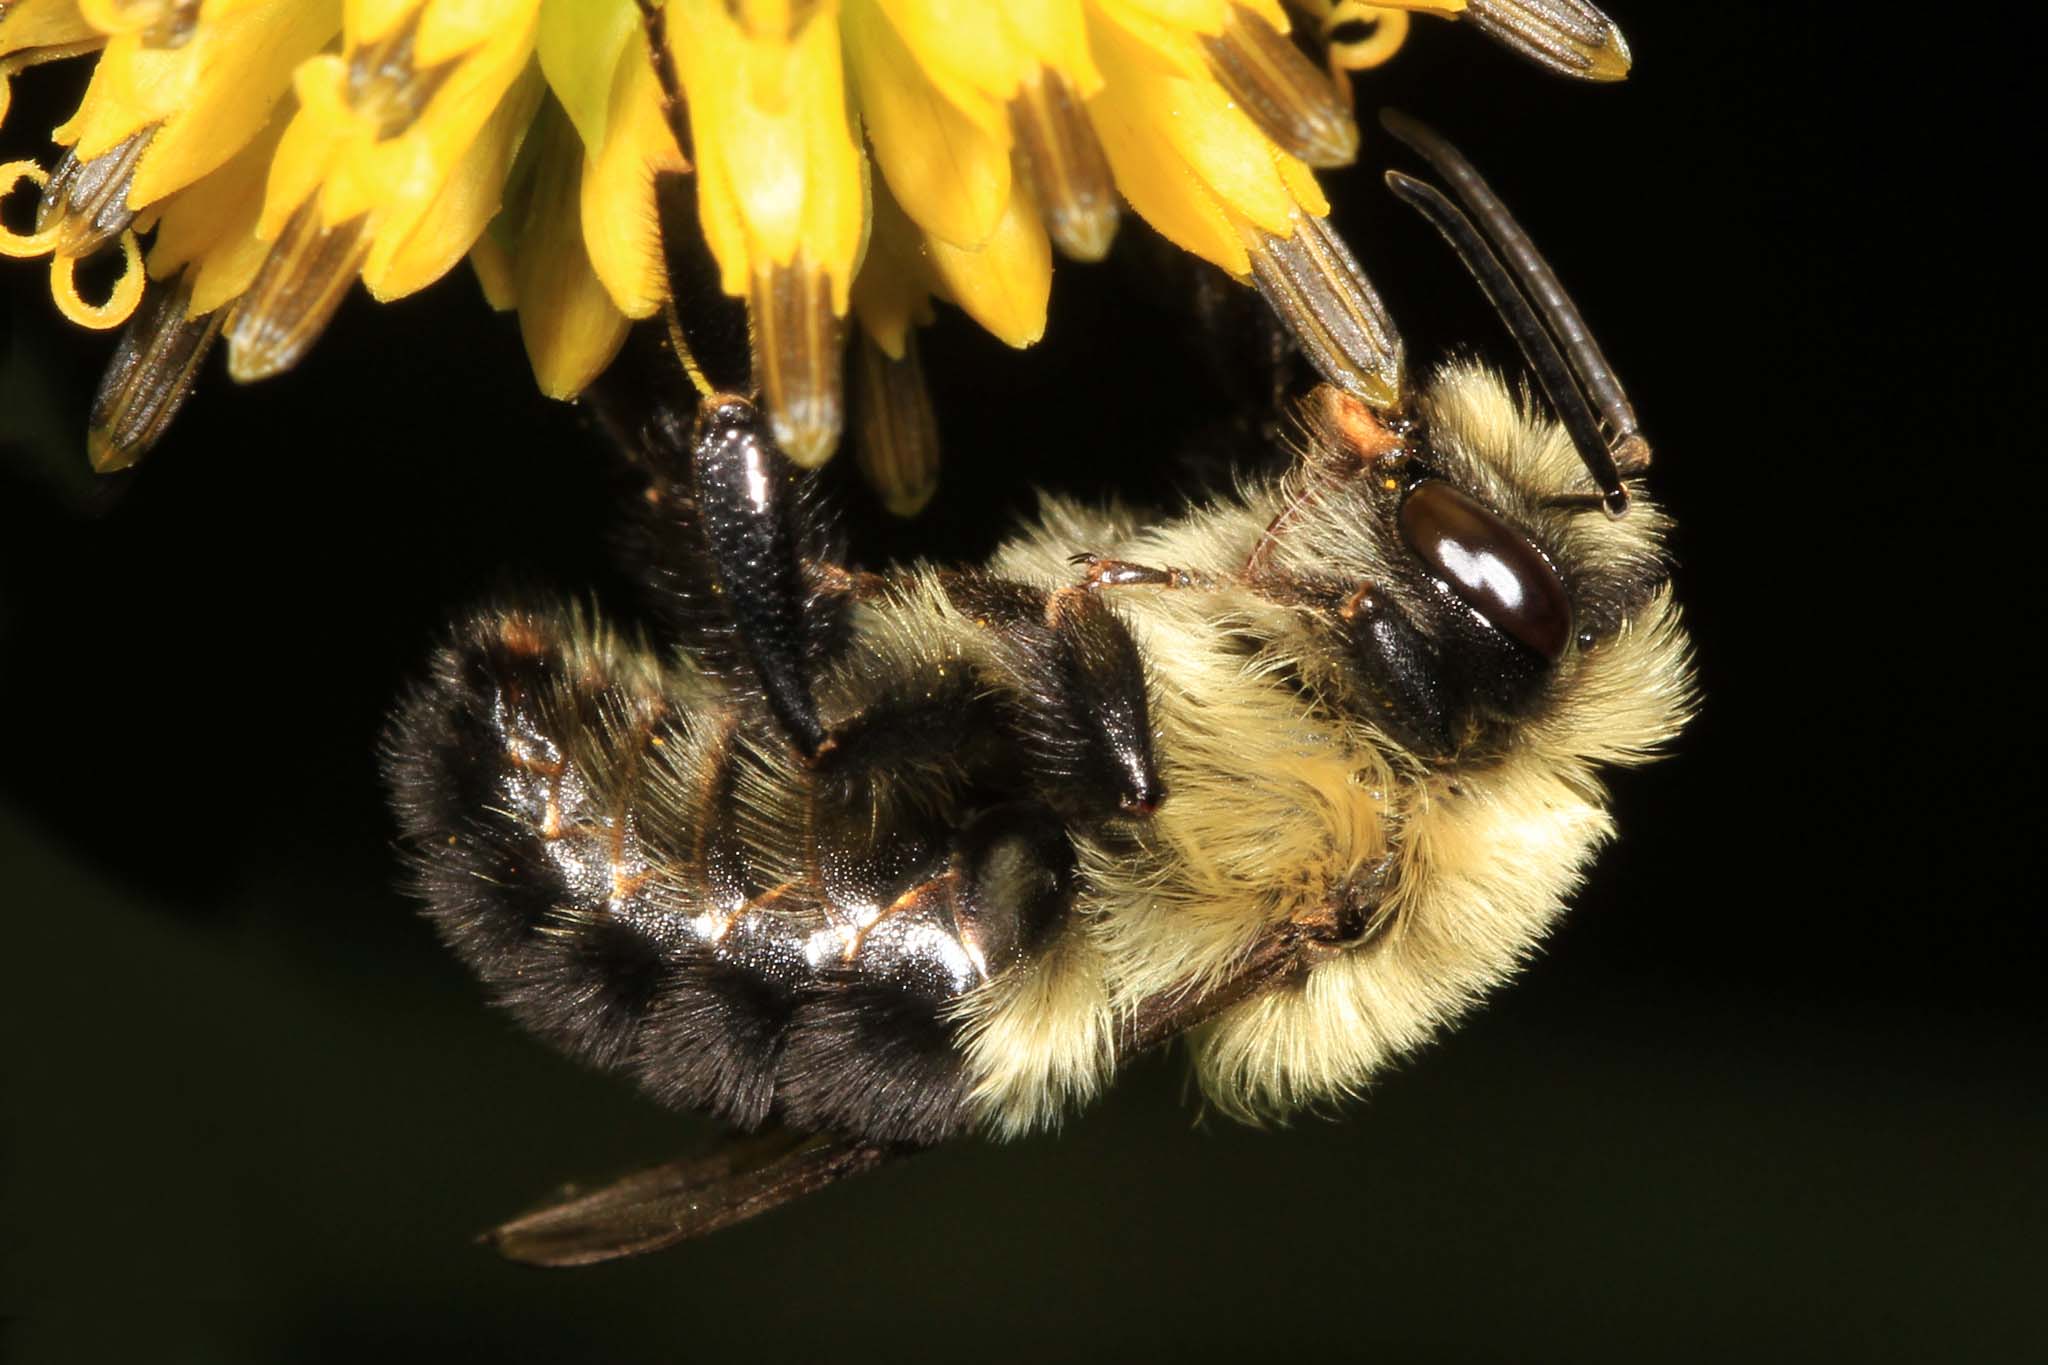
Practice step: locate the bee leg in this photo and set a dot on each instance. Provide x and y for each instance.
(751, 511)
(1078, 709)
(1274, 959)
(735, 545)
(1097, 673)
(1118, 573)
(1350, 918)
(737, 1179)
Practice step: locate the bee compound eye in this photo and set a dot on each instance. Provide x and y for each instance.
(1490, 565)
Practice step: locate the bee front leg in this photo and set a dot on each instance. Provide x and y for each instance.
(1099, 572)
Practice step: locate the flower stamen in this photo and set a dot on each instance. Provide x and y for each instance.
(1310, 279)
(85, 203)
(152, 371)
(896, 436)
(1296, 105)
(294, 294)
(798, 344)
(1058, 153)
(1568, 36)
(1358, 37)
(24, 245)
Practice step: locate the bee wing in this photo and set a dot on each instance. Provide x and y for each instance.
(741, 1176)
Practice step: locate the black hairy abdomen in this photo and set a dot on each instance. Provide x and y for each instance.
(642, 879)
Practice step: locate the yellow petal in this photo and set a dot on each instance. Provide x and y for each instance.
(1197, 16)
(947, 170)
(779, 167)
(1055, 33)
(567, 319)
(493, 266)
(409, 254)
(967, 50)
(241, 66)
(395, 177)
(1005, 285)
(579, 46)
(1269, 10)
(132, 87)
(1301, 183)
(450, 28)
(31, 24)
(621, 222)
(372, 21)
(313, 141)
(210, 227)
(1163, 45)
(893, 288)
(1151, 174)
(1149, 117)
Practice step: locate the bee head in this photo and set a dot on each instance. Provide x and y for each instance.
(1446, 566)
(1441, 540)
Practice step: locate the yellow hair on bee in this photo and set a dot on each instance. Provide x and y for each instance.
(1276, 803)
(1486, 861)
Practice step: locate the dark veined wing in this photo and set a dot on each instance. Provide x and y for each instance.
(737, 1178)
(743, 1175)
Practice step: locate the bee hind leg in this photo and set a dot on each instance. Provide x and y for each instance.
(736, 547)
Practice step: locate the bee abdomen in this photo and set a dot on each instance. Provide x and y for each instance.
(589, 835)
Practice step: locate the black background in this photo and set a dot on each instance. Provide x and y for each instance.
(1773, 1091)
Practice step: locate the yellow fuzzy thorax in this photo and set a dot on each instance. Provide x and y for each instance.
(1273, 803)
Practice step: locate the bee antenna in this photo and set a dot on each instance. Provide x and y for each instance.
(1538, 327)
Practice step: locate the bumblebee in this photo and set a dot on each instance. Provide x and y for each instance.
(860, 861)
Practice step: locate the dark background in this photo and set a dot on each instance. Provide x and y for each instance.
(1773, 1091)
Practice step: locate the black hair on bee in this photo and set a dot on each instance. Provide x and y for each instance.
(861, 861)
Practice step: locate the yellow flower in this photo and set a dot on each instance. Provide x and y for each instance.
(853, 160)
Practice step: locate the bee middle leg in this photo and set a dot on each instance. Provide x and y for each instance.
(1075, 701)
